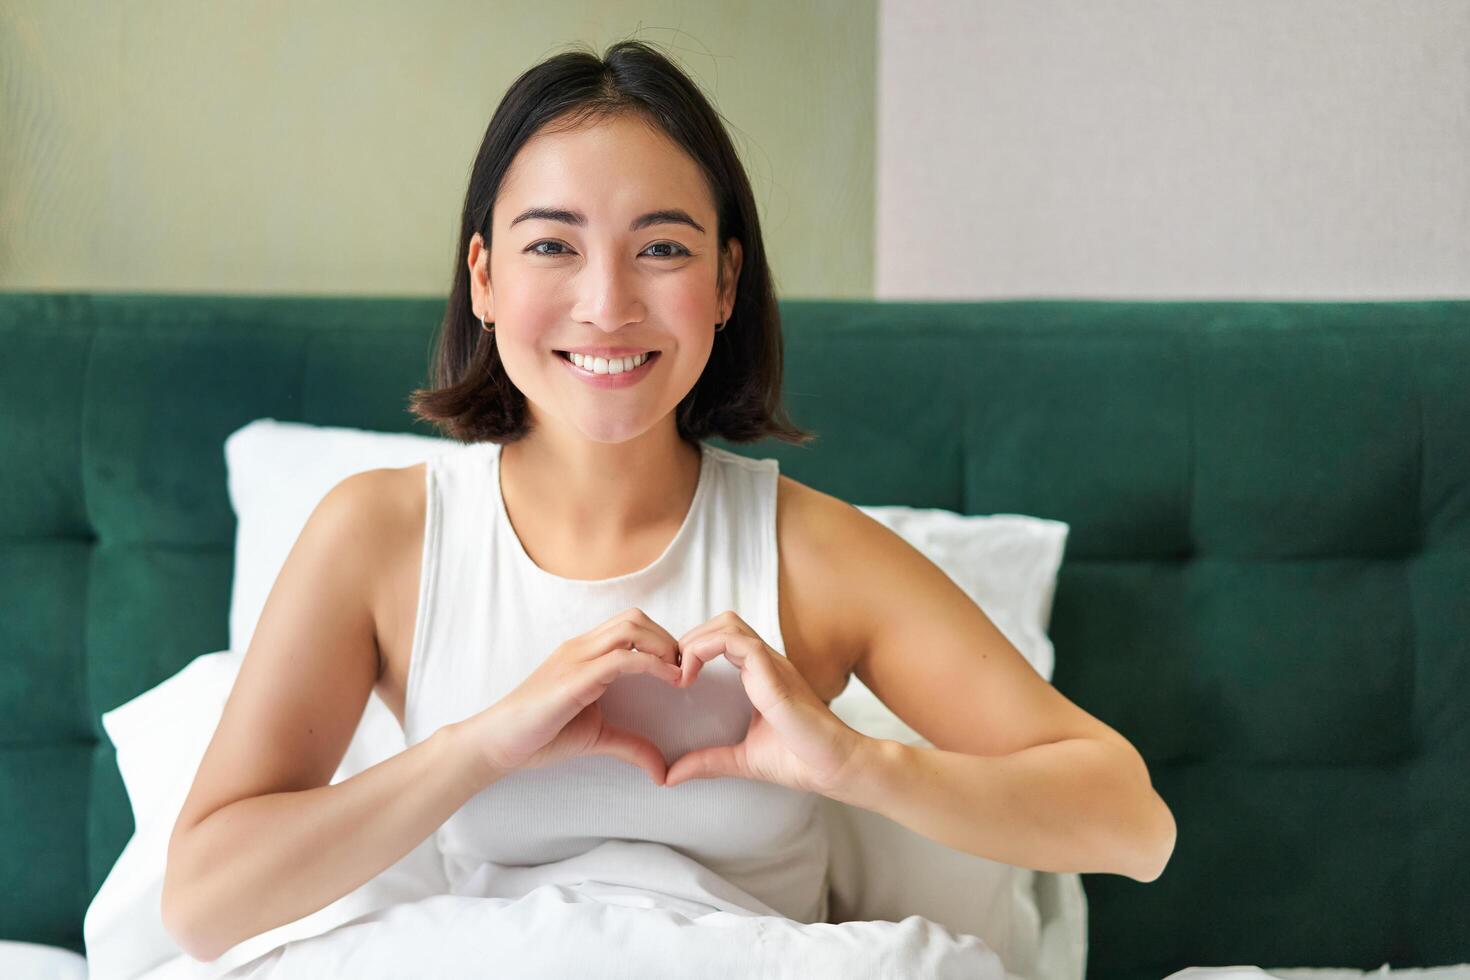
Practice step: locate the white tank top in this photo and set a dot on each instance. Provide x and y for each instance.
(488, 616)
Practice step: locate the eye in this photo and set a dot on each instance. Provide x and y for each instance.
(679, 250)
(681, 253)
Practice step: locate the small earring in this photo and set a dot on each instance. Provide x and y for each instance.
(487, 329)
(721, 325)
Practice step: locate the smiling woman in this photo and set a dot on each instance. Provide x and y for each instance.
(612, 309)
(517, 601)
(607, 208)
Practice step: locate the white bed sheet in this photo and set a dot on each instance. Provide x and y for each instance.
(36, 961)
(1459, 971)
(634, 909)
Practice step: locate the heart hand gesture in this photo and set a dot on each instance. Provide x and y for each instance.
(793, 740)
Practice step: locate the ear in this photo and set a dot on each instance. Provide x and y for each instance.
(482, 297)
(732, 278)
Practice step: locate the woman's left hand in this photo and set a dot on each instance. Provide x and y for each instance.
(793, 740)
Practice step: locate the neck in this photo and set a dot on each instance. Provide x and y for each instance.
(598, 495)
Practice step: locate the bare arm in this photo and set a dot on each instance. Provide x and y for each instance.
(261, 862)
(1081, 804)
(264, 837)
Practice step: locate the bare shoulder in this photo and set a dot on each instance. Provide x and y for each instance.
(824, 529)
(814, 533)
(389, 501)
(402, 493)
(393, 513)
(394, 601)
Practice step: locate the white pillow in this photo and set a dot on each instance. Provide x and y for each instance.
(161, 736)
(277, 472)
(1007, 563)
(38, 961)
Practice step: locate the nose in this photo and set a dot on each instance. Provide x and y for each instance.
(608, 293)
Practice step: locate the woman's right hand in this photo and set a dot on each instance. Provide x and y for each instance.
(554, 715)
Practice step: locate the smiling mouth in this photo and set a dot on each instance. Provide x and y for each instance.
(566, 356)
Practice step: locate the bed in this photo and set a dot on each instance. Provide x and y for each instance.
(1264, 587)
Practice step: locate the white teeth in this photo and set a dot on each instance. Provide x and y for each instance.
(601, 365)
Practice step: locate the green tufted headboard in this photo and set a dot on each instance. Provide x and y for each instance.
(1266, 587)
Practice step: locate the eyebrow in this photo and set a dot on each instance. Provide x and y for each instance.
(665, 216)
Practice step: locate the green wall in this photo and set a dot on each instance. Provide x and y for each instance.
(324, 148)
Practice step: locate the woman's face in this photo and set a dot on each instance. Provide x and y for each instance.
(603, 275)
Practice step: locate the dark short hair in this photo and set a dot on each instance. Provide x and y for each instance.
(738, 396)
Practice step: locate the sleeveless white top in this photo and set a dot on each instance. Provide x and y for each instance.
(488, 616)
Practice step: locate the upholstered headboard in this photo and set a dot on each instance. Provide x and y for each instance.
(1266, 588)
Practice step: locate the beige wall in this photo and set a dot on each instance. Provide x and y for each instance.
(903, 149)
(1313, 149)
(324, 148)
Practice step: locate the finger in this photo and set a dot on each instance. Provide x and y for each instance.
(620, 743)
(642, 662)
(707, 763)
(691, 635)
(712, 625)
(734, 647)
(652, 639)
(689, 651)
(619, 661)
(725, 620)
(725, 624)
(666, 644)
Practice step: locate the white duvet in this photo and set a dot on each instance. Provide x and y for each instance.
(631, 909)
